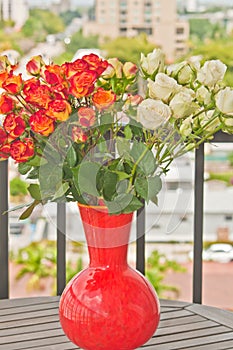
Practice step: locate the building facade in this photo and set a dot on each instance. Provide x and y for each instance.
(156, 18)
(14, 10)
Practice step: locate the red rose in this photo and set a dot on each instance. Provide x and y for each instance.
(77, 66)
(103, 99)
(22, 151)
(5, 151)
(14, 125)
(82, 84)
(38, 95)
(3, 136)
(86, 116)
(96, 63)
(13, 84)
(54, 74)
(6, 104)
(59, 110)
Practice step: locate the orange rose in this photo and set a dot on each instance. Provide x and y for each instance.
(86, 116)
(6, 104)
(59, 110)
(3, 76)
(13, 84)
(35, 64)
(38, 95)
(96, 63)
(103, 99)
(41, 124)
(3, 136)
(82, 84)
(54, 74)
(14, 125)
(74, 67)
(5, 151)
(78, 135)
(22, 151)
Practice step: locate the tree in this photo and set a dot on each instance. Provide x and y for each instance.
(41, 23)
(128, 49)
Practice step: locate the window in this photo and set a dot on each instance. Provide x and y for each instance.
(180, 30)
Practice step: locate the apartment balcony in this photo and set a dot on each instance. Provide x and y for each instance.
(183, 325)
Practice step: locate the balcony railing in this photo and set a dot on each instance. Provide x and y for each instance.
(140, 229)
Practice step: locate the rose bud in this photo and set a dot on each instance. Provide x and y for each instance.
(34, 66)
(78, 135)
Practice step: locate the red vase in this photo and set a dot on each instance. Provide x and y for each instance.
(109, 305)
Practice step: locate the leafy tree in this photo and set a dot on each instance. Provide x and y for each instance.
(128, 49)
(203, 28)
(68, 16)
(18, 187)
(41, 23)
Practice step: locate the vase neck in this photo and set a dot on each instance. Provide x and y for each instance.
(107, 236)
(115, 257)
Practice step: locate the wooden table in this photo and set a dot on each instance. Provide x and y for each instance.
(33, 323)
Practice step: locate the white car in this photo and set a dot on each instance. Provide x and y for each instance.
(220, 252)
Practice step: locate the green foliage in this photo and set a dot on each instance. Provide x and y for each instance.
(38, 261)
(68, 16)
(230, 158)
(18, 187)
(226, 177)
(157, 267)
(128, 49)
(203, 28)
(41, 23)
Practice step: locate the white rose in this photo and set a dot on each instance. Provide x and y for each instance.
(163, 87)
(182, 104)
(182, 71)
(153, 62)
(117, 65)
(186, 127)
(224, 101)
(212, 72)
(153, 113)
(203, 95)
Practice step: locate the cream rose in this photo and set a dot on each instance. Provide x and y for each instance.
(153, 62)
(163, 87)
(224, 101)
(182, 104)
(153, 113)
(186, 127)
(117, 65)
(203, 95)
(211, 72)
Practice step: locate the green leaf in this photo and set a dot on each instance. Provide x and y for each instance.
(134, 205)
(119, 203)
(24, 168)
(34, 191)
(109, 185)
(34, 173)
(85, 178)
(37, 161)
(29, 210)
(123, 147)
(154, 186)
(71, 156)
(144, 158)
(61, 191)
(141, 187)
(128, 133)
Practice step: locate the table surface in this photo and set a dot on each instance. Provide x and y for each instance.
(33, 323)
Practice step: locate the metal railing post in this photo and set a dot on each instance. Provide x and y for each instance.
(4, 255)
(140, 242)
(198, 224)
(61, 247)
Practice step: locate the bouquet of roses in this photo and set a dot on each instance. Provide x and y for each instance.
(81, 131)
